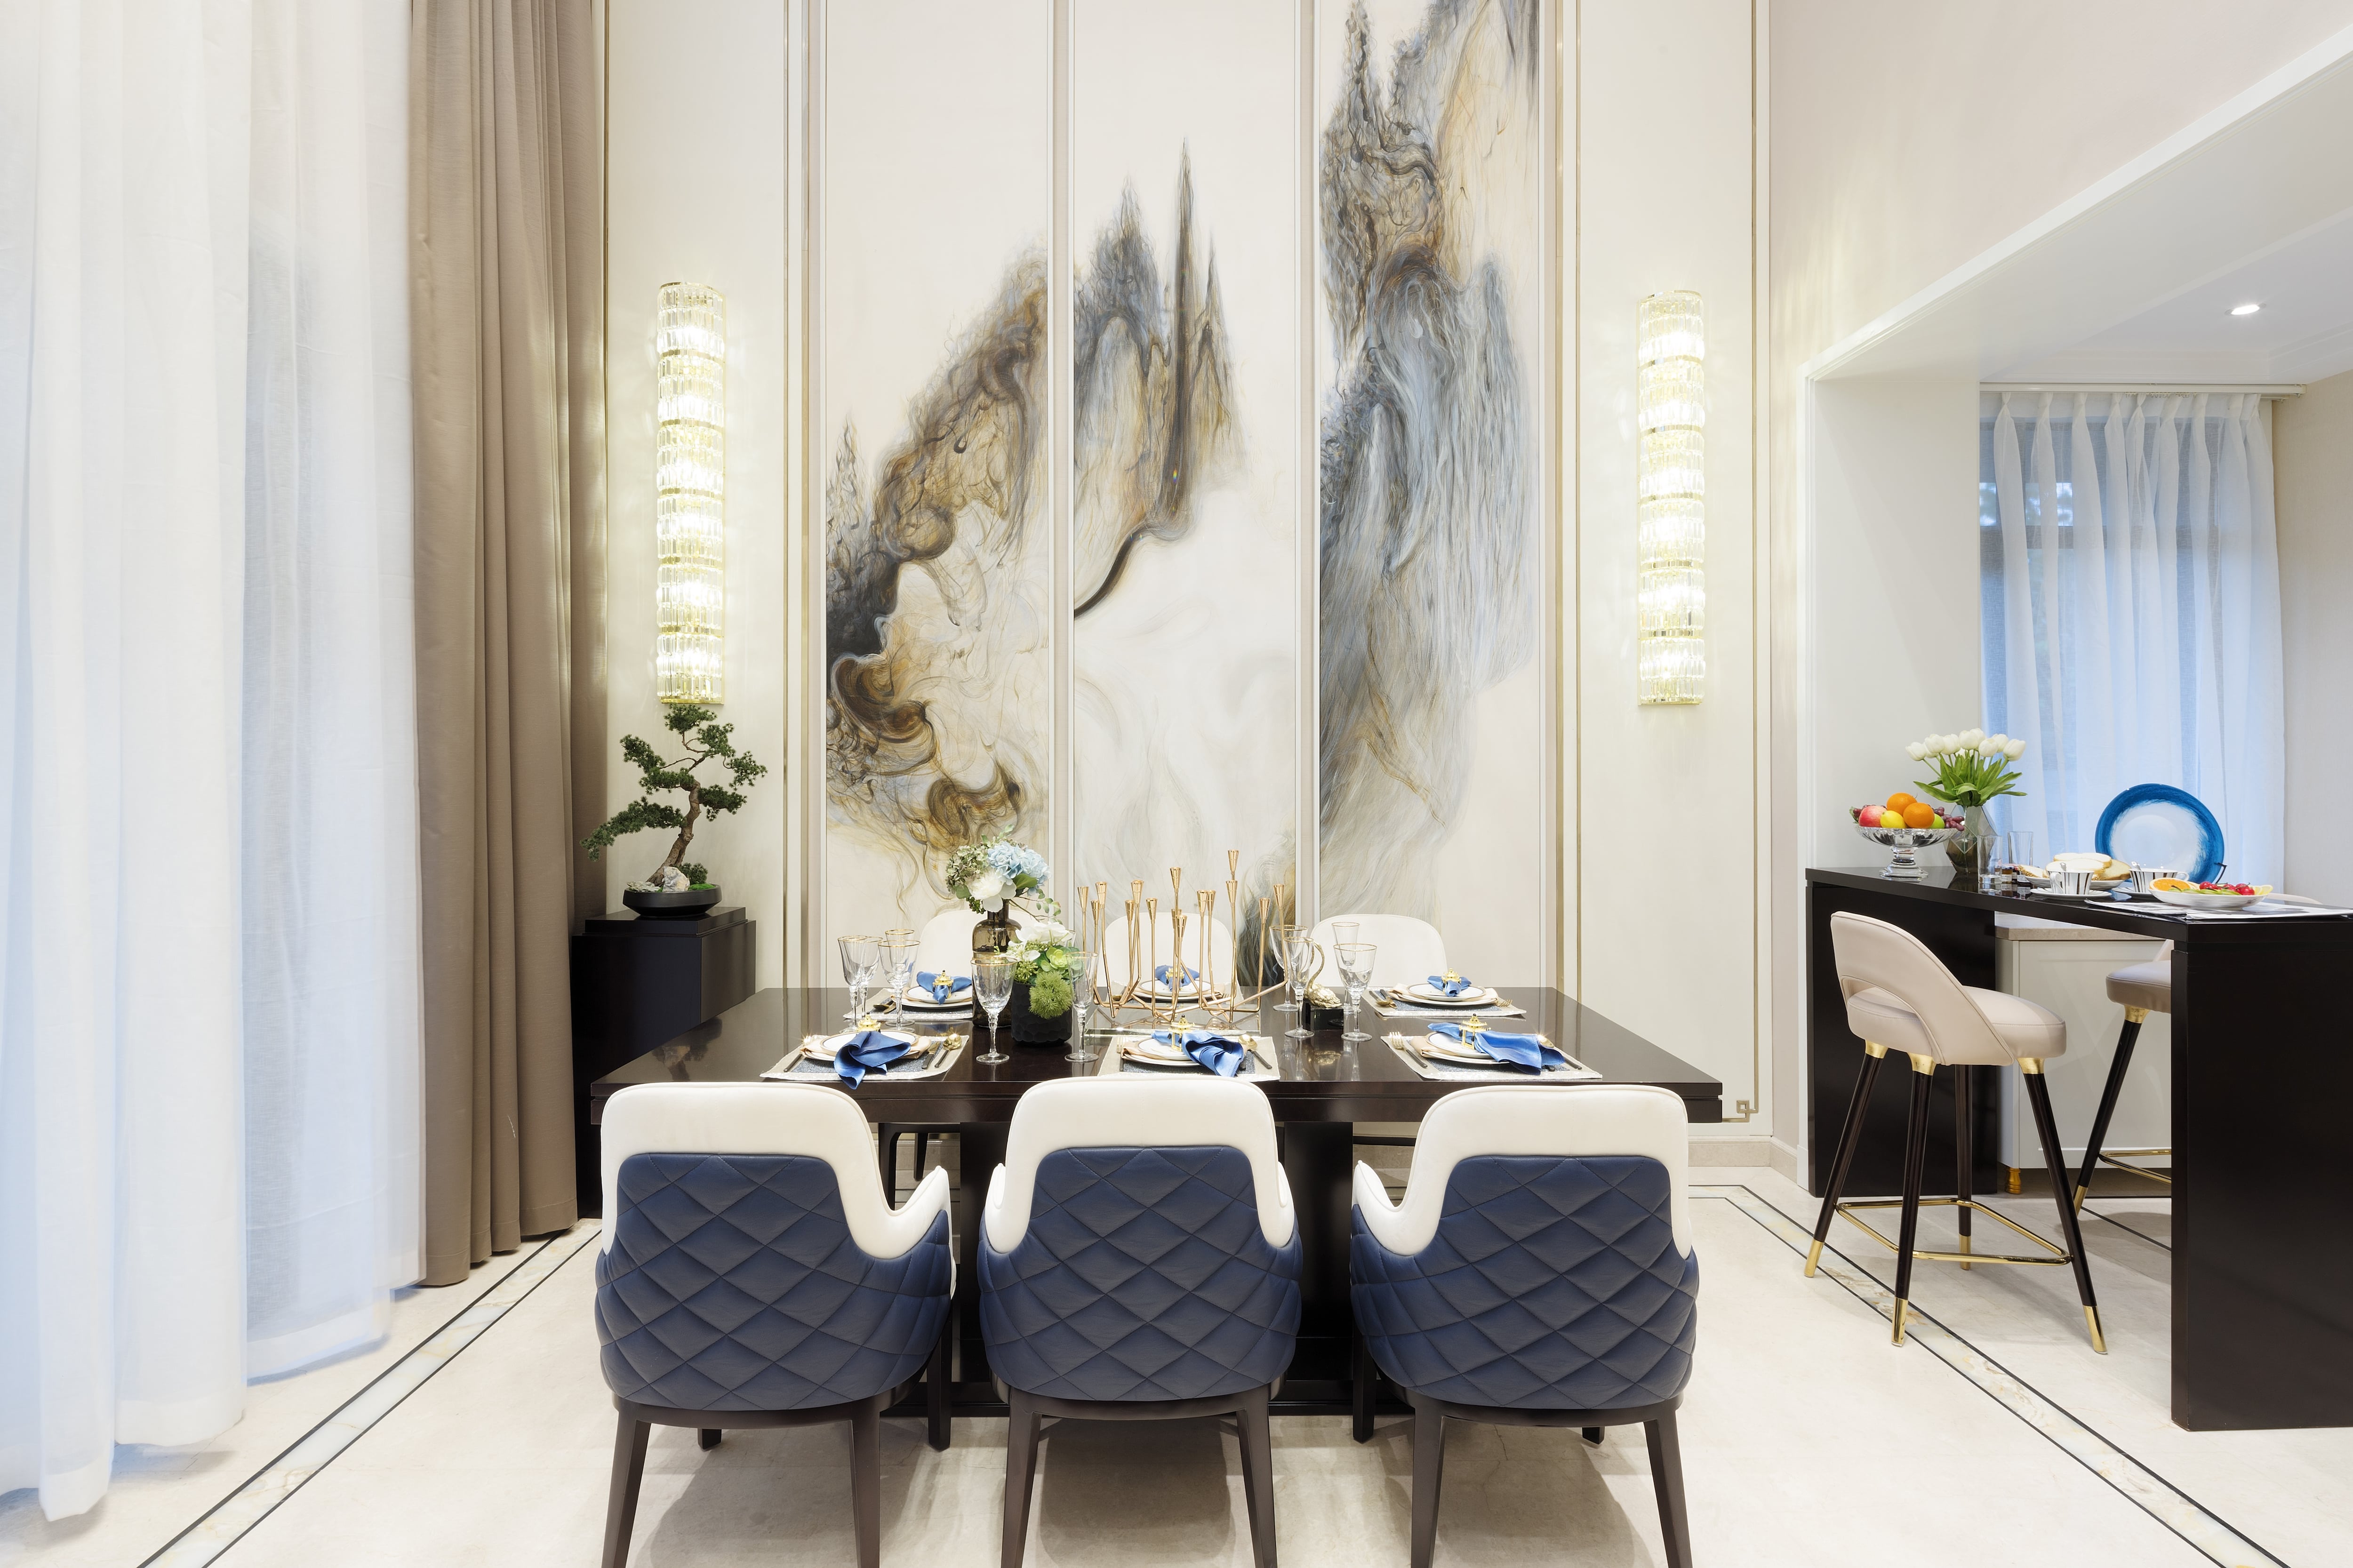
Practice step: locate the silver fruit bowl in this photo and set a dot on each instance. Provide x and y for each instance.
(1903, 841)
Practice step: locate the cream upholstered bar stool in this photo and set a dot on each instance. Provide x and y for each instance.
(1899, 996)
(2142, 989)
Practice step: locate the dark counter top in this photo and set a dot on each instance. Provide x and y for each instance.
(1943, 885)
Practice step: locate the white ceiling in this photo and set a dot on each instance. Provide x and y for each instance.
(2304, 331)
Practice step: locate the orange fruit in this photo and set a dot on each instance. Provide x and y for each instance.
(1898, 801)
(1919, 816)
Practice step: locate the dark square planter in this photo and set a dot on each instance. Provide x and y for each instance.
(1028, 1030)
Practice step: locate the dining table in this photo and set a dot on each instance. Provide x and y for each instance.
(2262, 1278)
(1321, 1088)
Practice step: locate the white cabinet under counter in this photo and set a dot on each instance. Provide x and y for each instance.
(2065, 968)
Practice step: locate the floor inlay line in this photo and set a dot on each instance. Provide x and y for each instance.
(2160, 1499)
(2126, 1229)
(238, 1512)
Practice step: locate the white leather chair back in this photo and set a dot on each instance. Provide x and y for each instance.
(1871, 953)
(1410, 950)
(1132, 1113)
(808, 1118)
(1157, 939)
(1505, 1119)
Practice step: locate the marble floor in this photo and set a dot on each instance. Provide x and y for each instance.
(480, 1434)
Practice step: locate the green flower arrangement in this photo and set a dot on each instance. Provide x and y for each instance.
(1047, 963)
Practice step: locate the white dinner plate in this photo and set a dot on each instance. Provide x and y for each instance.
(823, 1050)
(919, 996)
(1423, 992)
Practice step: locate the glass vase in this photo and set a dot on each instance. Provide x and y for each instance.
(1971, 848)
(994, 933)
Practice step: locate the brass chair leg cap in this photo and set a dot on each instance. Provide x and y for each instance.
(1813, 1257)
(1902, 1308)
(2099, 1340)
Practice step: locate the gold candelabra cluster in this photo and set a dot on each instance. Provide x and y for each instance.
(1140, 925)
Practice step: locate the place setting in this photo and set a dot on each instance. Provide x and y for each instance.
(1447, 995)
(850, 1056)
(1469, 1049)
(1187, 1049)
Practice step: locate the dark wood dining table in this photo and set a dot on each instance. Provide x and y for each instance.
(1327, 1086)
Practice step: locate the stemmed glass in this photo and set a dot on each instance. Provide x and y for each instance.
(1083, 997)
(898, 963)
(861, 956)
(1284, 937)
(1298, 947)
(1356, 973)
(1344, 931)
(992, 981)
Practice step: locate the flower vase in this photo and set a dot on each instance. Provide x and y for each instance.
(1968, 848)
(1028, 1030)
(994, 933)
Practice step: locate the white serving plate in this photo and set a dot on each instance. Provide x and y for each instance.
(2205, 900)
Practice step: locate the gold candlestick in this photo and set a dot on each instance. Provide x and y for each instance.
(1263, 910)
(1152, 946)
(1176, 961)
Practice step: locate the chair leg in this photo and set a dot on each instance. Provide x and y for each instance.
(1258, 1476)
(2126, 1038)
(621, 1503)
(2071, 1226)
(1429, 1468)
(1964, 1156)
(1850, 1135)
(866, 1480)
(886, 1160)
(1020, 1466)
(1915, 1161)
(1591, 1434)
(1667, 1476)
(923, 1144)
(935, 1383)
(1362, 1386)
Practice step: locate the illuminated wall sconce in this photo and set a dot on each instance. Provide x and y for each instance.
(690, 504)
(1670, 487)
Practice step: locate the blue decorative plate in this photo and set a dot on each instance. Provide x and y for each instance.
(2158, 825)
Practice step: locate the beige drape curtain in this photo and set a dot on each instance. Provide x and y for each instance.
(506, 256)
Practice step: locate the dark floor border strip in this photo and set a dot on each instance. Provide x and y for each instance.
(2121, 1226)
(227, 1521)
(2228, 1558)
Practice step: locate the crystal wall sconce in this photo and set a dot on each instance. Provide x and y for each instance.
(1670, 488)
(690, 482)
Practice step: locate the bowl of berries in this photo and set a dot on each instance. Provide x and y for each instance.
(2206, 895)
(1903, 825)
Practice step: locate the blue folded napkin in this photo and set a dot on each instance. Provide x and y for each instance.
(943, 986)
(1221, 1054)
(1446, 988)
(869, 1050)
(1163, 973)
(1527, 1051)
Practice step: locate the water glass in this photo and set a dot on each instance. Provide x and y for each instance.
(1298, 949)
(1345, 932)
(898, 949)
(1355, 973)
(861, 958)
(1083, 997)
(1283, 935)
(992, 982)
(2018, 847)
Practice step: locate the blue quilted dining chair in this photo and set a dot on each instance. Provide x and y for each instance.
(1139, 1262)
(1538, 1272)
(753, 1275)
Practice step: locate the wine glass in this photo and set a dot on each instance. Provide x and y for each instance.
(1282, 940)
(1298, 948)
(1356, 973)
(1083, 997)
(860, 957)
(898, 949)
(1344, 931)
(992, 981)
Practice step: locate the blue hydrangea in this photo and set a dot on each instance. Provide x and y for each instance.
(1014, 861)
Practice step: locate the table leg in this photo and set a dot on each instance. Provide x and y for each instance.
(1318, 1157)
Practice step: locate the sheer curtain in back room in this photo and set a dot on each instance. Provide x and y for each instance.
(2129, 575)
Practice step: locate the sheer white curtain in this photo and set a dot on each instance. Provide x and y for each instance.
(208, 952)
(2132, 611)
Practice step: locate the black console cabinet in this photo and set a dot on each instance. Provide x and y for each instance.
(637, 983)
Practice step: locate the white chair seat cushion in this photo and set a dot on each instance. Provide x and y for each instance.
(2023, 1029)
(2149, 986)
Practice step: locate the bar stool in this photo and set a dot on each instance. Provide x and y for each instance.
(1899, 994)
(2143, 989)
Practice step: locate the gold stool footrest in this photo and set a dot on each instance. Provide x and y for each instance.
(2109, 1157)
(2059, 1255)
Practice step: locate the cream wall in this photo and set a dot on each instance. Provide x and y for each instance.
(2312, 454)
(697, 190)
(1904, 142)
(1666, 807)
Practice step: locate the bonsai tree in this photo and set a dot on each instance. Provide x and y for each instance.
(705, 739)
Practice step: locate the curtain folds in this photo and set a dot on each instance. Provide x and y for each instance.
(2132, 612)
(207, 960)
(506, 244)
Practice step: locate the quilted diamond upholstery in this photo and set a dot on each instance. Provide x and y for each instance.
(731, 1283)
(1553, 1284)
(1144, 1275)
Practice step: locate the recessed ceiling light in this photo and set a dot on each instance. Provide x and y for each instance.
(2247, 309)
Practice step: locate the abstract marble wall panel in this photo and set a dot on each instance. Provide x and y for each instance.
(1187, 381)
(933, 208)
(1433, 367)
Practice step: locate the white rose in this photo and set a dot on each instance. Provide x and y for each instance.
(988, 890)
(1970, 739)
(2014, 750)
(1915, 751)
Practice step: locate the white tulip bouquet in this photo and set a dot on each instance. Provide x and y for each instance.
(1972, 767)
